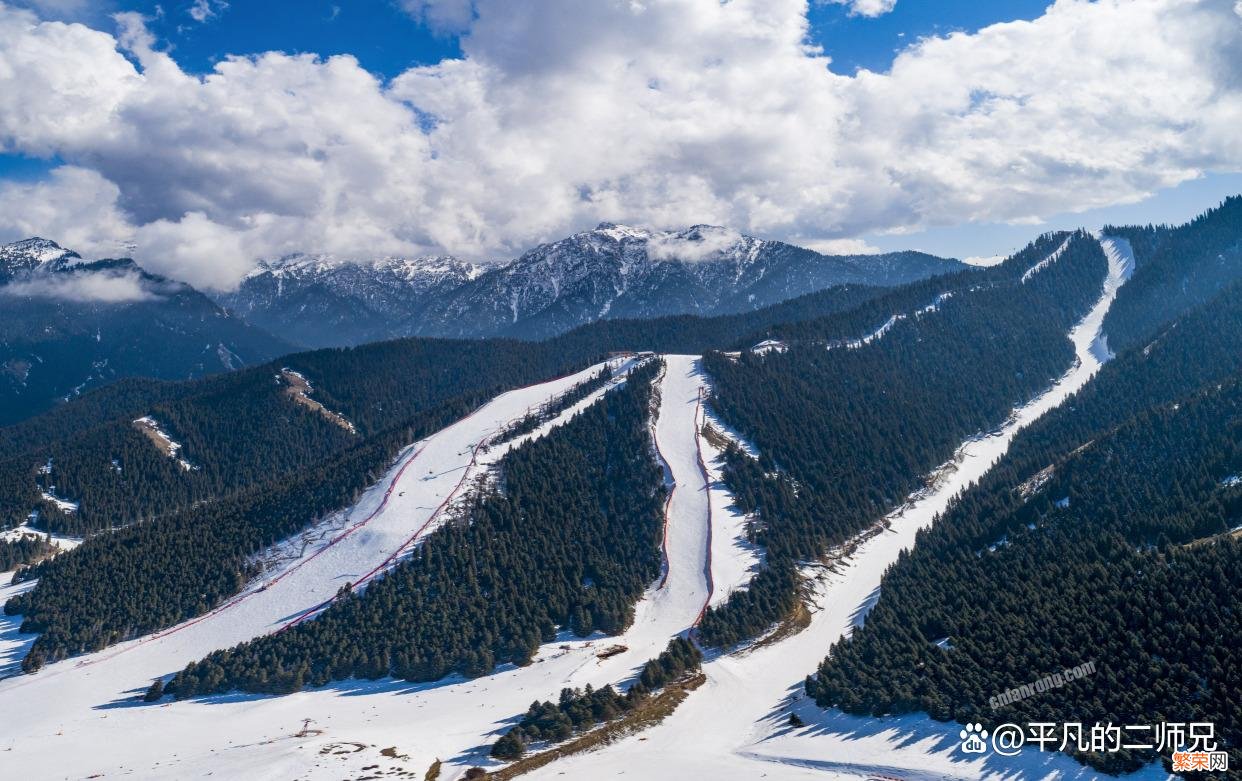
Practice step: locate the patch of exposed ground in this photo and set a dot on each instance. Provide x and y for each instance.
(299, 389)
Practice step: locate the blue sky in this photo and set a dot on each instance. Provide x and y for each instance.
(387, 41)
(854, 41)
(1085, 113)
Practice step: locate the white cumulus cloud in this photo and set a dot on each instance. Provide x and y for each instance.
(867, 7)
(76, 207)
(561, 114)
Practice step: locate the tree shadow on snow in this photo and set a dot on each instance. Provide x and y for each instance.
(916, 731)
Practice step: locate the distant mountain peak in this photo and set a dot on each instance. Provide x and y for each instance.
(32, 253)
(618, 232)
(301, 264)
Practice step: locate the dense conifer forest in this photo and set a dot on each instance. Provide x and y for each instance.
(1181, 267)
(26, 549)
(1108, 534)
(845, 434)
(568, 539)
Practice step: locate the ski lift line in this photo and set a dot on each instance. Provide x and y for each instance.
(237, 600)
(403, 546)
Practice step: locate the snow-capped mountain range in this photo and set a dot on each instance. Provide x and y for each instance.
(31, 254)
(68, 325)
(612, 271)
(319, 300)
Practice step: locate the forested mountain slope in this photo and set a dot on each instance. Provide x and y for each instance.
(270, 465)
(1178, 268)
(67, 326)
(569, 537)
(244, 428)
(322, 301)
(1108, 534)
(845, 431)
(181, 563)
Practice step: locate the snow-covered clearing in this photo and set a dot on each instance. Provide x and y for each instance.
(892, 321)
(64, 505)
(768, 346)
(736, 725)
(79, 717)
(877, 334)
(674, 604)
(17, 532)
(1121, 258)
(734, 558)
(14, 645)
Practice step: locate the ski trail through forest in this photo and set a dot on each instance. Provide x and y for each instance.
(79, 715)
(736, 726)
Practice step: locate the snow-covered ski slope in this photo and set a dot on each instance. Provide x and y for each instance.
(736, 725)
(75, 716)
(79, 717)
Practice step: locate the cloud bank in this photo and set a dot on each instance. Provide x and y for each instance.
(97, 287)
(562, 114)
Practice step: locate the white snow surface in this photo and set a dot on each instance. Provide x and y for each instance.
(64, 505)
(769, 345)
(17, 532)
(1121, 265)
(79, 717)
(734, 559)
(736, 725)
